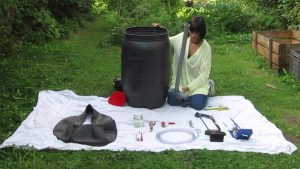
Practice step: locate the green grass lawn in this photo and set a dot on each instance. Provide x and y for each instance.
(86, 63)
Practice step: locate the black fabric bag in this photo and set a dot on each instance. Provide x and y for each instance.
(100, 132)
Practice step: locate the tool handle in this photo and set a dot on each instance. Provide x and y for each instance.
(204, 123)
(219, 129)
(205, 115)
(181, 57)
(200, 115)
(235, 123)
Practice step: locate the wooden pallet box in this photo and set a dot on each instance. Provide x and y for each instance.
(275, 46)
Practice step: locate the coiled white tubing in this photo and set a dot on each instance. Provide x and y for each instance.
(172, 136)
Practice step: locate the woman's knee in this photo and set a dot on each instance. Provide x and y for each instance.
(198, 101)
(198, 107)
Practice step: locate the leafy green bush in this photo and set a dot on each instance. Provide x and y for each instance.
(277, 14)
(143, 13)
(186, 13)
(291, 12)
(99, 6)
(38, 20)
(221, 16)
(29, 21)
(69, 9)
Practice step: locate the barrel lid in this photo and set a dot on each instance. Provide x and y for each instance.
(146, 32)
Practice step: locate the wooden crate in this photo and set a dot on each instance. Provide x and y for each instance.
(275, 46)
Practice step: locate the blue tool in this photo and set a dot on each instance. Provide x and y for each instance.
(239, 133)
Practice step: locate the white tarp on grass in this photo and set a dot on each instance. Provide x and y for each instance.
(36, 131)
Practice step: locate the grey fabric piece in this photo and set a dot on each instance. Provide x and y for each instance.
(181, 57)
(211, 84)
(100, 132)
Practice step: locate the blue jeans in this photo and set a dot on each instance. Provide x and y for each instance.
(197, 101)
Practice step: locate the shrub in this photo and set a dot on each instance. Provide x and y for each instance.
(287, 13)
(291, 12)
(142, 13)
(221, 16)
(99, 6)
(35, 21)
(69, 9)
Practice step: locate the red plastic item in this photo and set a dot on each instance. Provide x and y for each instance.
(117, 99)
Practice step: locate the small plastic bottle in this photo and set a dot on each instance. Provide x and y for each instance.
(138, 120)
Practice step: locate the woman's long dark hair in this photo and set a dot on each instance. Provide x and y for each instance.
(197, 24)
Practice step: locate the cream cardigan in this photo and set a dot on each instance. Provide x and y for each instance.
(195, 69)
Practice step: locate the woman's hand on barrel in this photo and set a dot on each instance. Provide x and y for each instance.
(157, 25)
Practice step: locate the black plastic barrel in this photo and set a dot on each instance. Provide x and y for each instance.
(145, 66)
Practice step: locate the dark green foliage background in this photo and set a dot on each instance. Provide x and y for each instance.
(36, 21)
